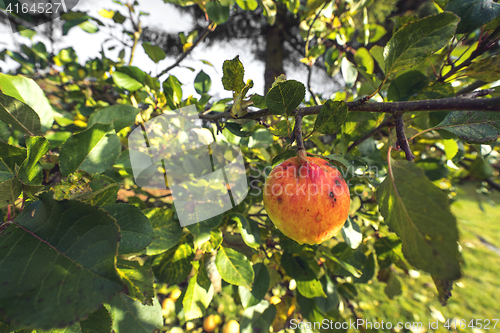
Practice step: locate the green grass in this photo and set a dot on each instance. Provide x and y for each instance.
(475, 295)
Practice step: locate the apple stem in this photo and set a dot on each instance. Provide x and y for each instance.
(297, 137)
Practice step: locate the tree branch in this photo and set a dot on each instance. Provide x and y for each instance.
(445, 104)
(183, 56)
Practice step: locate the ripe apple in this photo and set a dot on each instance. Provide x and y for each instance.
(307, 199)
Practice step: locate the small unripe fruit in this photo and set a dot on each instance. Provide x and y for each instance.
(176, 293)
(231, 326)
(275, 300)
(308, 200)
(209, 324)
(168, 306)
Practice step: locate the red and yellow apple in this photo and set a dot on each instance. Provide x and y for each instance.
(307, 199)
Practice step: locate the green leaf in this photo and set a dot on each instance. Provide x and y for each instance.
(481, 168)
(202, 83)
(154, 52)
(119, 115)
(201, 230)
(331, 301)
(136, 231)
(348, 267)
(29, 92)
(56, 139)
(167, 231)
(259, 289)
(270, 10)
(310, 288)
(30, 172)
(234, 267)
(173, 91)
(351, 232)
(249, 229)
(199, 294)
(94, 150)
(283, 128)
(19, 115)
(472, 126)
(89, 27)
(349, 72)
(331, 117)
(130, 316)
(11, 158)
(377, 53)
(332, 61)
(450, 148)
(127, 80)
(216, 12)
(138, 278)
(236, 129)
(406, 85)
(249, 5)
(237, 110)
(97, 322)
(283, 156)
(54, 251)
(389, 250)
(473, 13)
(444, 288)
(214, 242)
(297, 268)
(285, 97)
(10, 187)
(119, 18)
(364, 59)
(415, 41)
(259, 101)
(418, 212)
(174, 266)
(393, 287)
(96, 189)
(258, 318)
(487, 70)
(233, 73)
(339, 161)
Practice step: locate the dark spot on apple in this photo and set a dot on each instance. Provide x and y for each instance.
(331, 195)
(337, 182)
(280, 200)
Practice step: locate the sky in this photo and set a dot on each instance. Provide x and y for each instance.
(167, 17)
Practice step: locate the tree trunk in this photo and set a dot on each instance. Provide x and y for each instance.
(275, 38)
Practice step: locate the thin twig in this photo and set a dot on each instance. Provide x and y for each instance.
(479, 93)
(183, 56)
(369, 134)
(353, 311)
(137, 34)
(492, 183)
(314, 98)
(297, 137)
(401, 142)
(312, 23)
